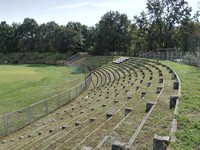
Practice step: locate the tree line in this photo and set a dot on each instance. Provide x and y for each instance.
(164, 24)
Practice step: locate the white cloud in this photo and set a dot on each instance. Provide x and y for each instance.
(94, 9)
(70, 6)
(125, 4)
(116, 5)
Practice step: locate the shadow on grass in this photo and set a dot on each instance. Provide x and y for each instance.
(38, 65)
(27, 65)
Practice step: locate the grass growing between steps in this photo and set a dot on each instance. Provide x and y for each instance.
(23, 85)
(188, 133)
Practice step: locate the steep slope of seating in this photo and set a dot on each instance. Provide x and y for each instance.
(114, 108)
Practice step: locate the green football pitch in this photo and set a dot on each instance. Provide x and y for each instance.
(23, 85)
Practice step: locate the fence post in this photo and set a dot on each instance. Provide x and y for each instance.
(29, 114)
(167, 55)
(46, 106)
(163, 56)
(59, 103)
(172, 58)
(68, 95)
(5, 119)
(85, 83)
(83, 87)
(181, 56)
(79, 89)
(76, 91)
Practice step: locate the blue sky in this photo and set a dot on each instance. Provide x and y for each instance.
(87, 12)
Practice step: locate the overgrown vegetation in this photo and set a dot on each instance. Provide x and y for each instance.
(191, 59)
(34, 58)
(188, 135)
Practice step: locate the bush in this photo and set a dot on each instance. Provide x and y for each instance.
(15, 61)
(91, 50)
(190, 59)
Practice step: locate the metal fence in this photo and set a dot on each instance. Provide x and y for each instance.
(13, 121)
(168, 55)
(172, 56)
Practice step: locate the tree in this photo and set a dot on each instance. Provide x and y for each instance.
(71, 38)
(76, 30)
(47, 37)
(113, 33)
(7, 38)
(90, 39)
(164, 19)
(189, 35)
(140, 32)
(27, 33)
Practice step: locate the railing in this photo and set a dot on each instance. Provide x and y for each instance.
(13, 121)
(175, 56)
(76, 57)
(92, 63)
(171, 55)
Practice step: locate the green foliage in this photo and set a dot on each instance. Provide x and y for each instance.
(190, 59)
(29, 37)
(140, 32)
(34, 58)
(113, 33)
(7, 43)
(91, 50)
(166, 24)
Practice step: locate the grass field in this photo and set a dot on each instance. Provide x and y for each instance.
(188, 134)
(23, 85)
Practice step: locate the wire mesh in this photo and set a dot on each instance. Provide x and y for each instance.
(13, 121)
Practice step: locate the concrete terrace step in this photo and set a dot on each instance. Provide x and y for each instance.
(112, 109)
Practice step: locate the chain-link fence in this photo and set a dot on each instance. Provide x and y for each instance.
(190, 58)
(13, 121)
